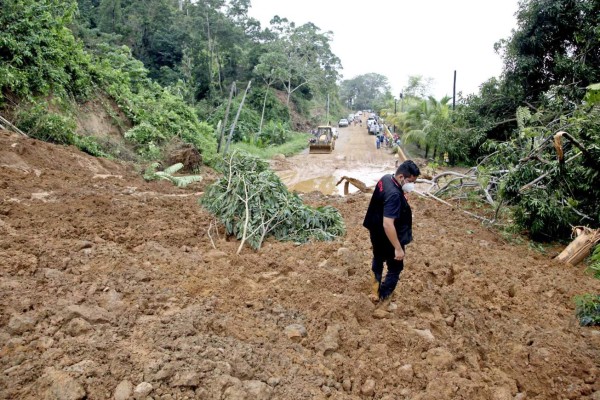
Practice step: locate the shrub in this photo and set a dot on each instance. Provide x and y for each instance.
(587, 309)
(39, 123)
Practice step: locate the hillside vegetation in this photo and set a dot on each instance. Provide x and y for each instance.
(141, 68)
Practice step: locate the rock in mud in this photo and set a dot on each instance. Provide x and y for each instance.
(347, 385)
(20, 324)
(84, 367)
(345, 254)
(439, 358)
(368, 388)
(257, 390)
(450, 320)
(425, 334)
(63, 387)
(112, 300)
(83, 244)
(273, 381)
(78, 326)
(241, 369)
(187, 379)
(295, 332)
(142, 390)
(123, 390)
(40, 196)
(92, 314)
(406, 373)
(380, 313)
(330, 340)
(53, 274)
(502, 393)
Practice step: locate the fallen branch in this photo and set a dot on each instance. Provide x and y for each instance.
(210, 237)
(360, 185)
(539, 178)
(14, 128)
(464, 211)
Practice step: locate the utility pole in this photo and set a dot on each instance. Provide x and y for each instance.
(454, 92)
(395, 104)
(401, 101)
(328, 109)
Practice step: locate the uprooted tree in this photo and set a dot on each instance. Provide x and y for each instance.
(253, 203)
(549, 175)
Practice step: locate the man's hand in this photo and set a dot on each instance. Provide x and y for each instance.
(399, 254)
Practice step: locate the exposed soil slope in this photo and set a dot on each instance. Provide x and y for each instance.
(107, 282)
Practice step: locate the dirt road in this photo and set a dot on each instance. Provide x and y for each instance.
(355, 155)
(110, 285)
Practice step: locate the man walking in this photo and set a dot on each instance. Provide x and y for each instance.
(389, 221)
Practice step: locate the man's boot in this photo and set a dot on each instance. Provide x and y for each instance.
(374, 296)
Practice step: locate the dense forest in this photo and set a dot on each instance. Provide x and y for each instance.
(179, 70)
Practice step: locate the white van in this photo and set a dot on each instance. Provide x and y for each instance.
(350, 117)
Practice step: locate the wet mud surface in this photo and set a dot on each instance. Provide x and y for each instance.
(110, 287)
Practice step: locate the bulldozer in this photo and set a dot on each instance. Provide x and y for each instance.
(323, 142)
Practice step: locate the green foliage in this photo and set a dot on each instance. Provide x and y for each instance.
(274, 133)
(543, 215)
(555, 45)
(296, 143)
(151, 174)
(42, 124)
(38, 53)
(39, 56)
(59, 128)
(594, 262)
(275, 110)
(364, 91)
(247, 125)
(271, 209)
(567, 193)
(91, 146)
(158, 113)
(587, 309)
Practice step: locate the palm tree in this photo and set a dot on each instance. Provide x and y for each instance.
(428, 120)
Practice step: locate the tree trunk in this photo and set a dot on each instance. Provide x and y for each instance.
(226, 118)
(237, 116)
(579, 248)
(262, 115)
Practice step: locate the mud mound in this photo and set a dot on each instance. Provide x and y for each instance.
(110, 285)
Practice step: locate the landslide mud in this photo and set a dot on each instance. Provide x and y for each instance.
(109, 284)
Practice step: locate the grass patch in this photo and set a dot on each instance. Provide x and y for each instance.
(298, 143)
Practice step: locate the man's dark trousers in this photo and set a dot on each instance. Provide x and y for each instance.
(383, 251)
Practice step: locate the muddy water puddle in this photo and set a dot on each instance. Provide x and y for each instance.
(327, 184)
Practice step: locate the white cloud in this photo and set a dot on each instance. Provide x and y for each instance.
(398, 38)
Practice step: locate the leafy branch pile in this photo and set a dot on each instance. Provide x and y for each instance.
(253, 203)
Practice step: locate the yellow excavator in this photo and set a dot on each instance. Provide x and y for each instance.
(323, 142)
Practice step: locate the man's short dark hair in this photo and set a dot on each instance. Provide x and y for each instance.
(408, 168)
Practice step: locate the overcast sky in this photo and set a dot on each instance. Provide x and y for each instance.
(398, 38)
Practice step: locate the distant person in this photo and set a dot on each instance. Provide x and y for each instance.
(389, 221)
